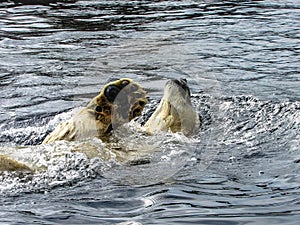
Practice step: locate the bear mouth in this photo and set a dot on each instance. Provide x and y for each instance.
(113, 90)
(127, 100)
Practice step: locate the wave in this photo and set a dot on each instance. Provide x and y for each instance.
(240, 136)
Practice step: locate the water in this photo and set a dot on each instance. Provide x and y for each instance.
(241, 59)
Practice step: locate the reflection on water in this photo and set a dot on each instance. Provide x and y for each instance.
(241, 59)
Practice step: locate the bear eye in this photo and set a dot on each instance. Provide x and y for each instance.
(136, 112)
(111, 92)
(98, 109)
(142, 103)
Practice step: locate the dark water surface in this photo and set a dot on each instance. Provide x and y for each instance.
(241, 59)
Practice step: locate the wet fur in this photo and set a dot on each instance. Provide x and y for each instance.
(100, 115)
(174, 112)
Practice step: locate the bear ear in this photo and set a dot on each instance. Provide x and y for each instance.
(124, 83)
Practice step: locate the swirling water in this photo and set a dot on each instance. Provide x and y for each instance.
(241, 59)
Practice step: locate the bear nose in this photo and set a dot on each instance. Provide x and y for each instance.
(181, 82)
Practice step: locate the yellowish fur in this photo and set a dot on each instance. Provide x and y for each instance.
(101, 115)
